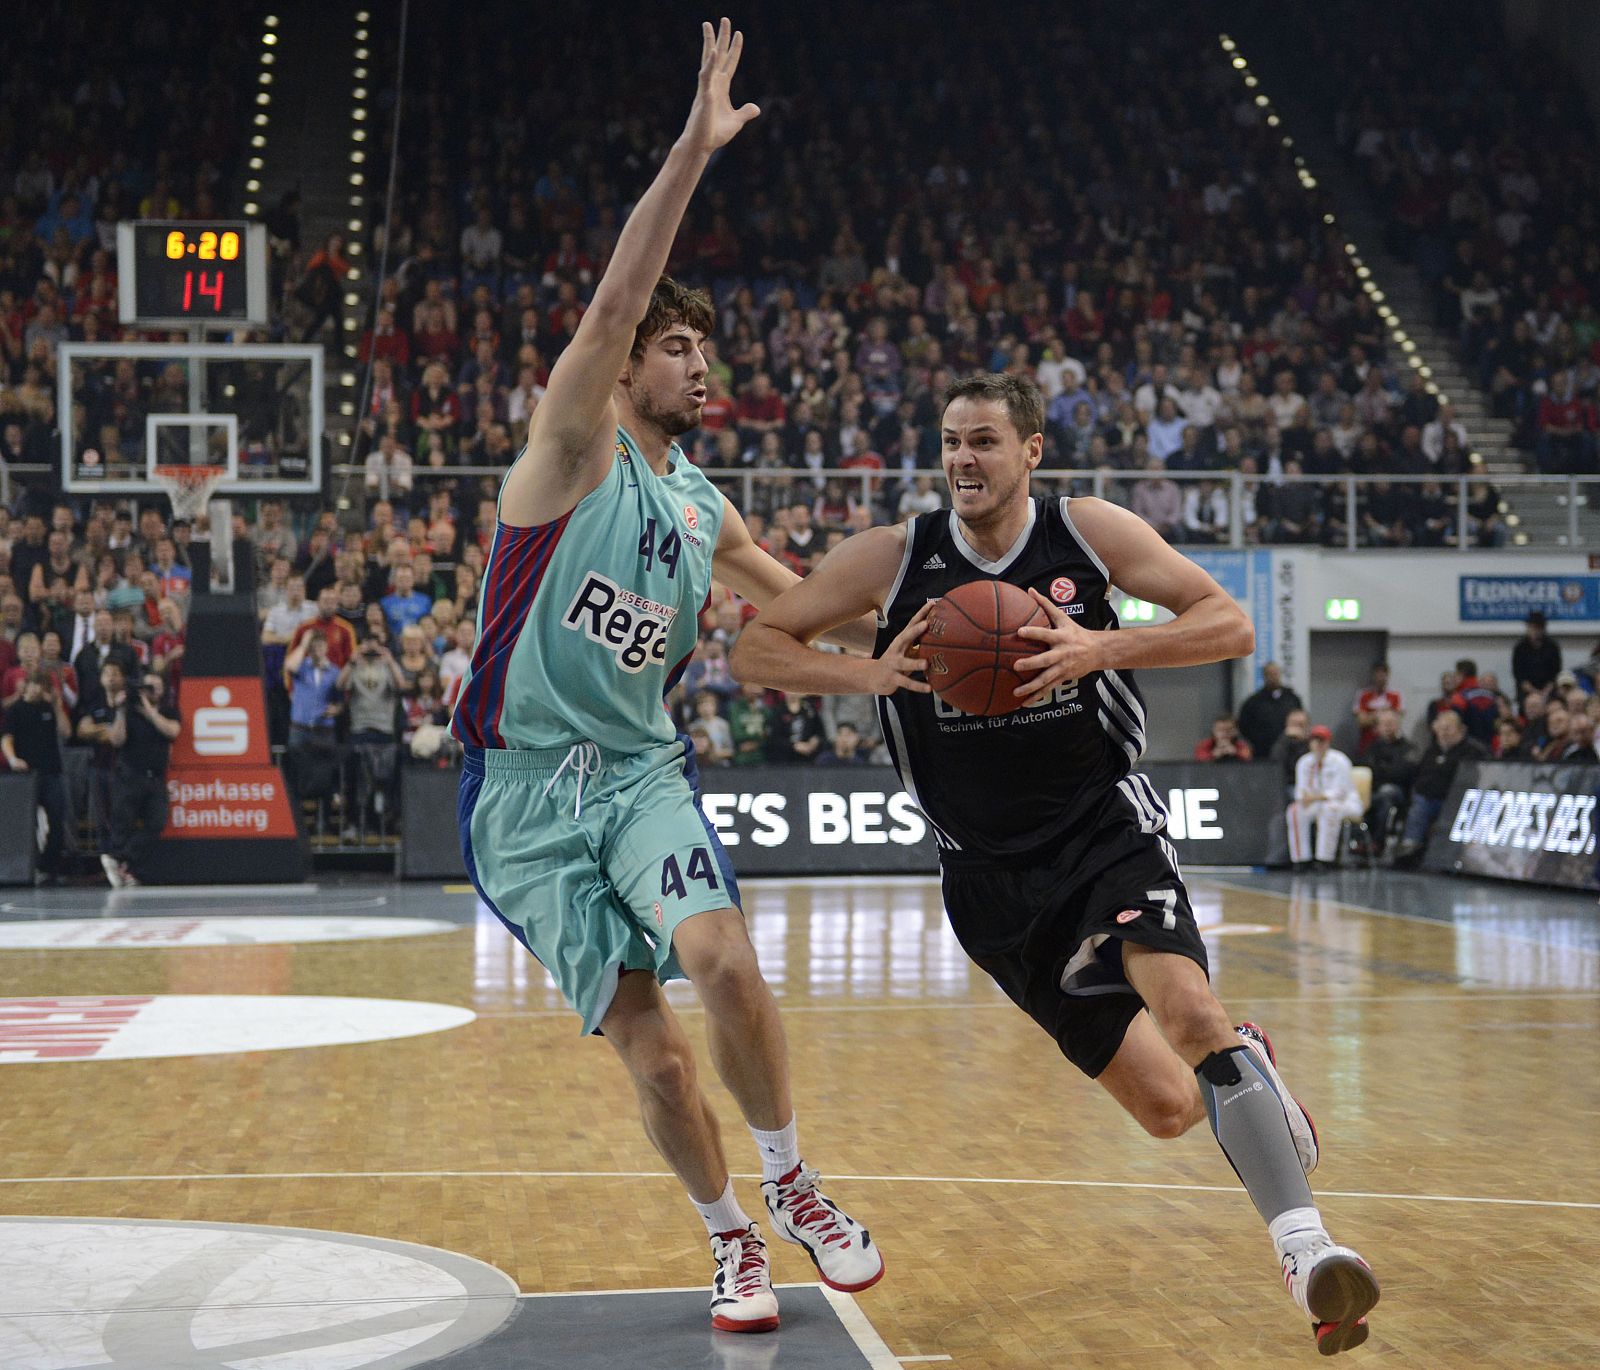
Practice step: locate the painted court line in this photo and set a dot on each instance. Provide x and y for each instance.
(849, 1313)
(862, 1332)
(664, 1289)
(964, 1006)
(212, 891)
(859, 1179)
(364, 1301)
(376, 1300)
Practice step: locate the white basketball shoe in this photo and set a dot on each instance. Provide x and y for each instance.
(741, 1294)
(1335, 1288)
(842, 1250)
(1301, 1128)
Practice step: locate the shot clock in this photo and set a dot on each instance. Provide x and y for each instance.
(188, 273)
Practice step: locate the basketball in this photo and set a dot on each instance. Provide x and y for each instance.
(971, 645)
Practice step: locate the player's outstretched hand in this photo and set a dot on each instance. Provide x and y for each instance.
(713, 121)
(899, 668)
(1069, 652)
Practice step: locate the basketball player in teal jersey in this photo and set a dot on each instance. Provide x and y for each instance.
(1059, 880)
(579, 813)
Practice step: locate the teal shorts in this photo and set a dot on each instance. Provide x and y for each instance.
(592, 858)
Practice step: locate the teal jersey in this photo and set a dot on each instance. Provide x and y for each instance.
(586, 622)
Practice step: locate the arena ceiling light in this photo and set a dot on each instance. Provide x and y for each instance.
(258, 140)
(358, 135)
(1363, 272)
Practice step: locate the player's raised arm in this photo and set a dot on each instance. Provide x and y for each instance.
(1209, 626)
(570, 442)
(853, 580)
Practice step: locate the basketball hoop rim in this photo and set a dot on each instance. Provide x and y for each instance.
(189, 477)
(189, 487)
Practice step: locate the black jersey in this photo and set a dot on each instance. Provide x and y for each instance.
(1010, 790)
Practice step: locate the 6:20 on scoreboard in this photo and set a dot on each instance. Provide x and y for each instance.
(188, 273)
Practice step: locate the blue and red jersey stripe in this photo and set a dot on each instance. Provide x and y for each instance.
(517, 563)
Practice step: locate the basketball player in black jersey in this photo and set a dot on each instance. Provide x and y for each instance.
(1058, 878)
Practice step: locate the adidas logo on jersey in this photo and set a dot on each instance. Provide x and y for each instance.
(934, 563)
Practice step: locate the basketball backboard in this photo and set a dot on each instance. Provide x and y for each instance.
(126, 408)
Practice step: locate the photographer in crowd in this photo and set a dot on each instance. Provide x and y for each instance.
(141, 732)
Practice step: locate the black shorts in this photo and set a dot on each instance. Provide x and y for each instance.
(1050, 935)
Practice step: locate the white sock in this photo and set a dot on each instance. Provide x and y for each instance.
(780, 1151)
(722, 1214)
(1293, 1226)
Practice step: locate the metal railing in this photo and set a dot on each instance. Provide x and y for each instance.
(1569, 496)
(347, 795)
(1573, 493)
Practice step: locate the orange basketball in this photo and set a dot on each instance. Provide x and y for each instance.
(971, 645)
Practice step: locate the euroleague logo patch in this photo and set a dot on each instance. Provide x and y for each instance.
(1063, 590)
(1128, 915)
(691, 516)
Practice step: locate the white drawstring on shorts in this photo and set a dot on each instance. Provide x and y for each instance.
(584, 758)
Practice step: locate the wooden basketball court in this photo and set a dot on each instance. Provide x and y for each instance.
(1445, 1035)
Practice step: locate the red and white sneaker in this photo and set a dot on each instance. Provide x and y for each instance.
(842, 1250)
(741, 1294)
(1335, 1287)
(1303, 1130)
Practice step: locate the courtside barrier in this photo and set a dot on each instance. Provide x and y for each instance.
(856, 820)
(1519, 821)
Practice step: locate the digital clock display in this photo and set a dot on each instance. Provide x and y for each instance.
(192, 273)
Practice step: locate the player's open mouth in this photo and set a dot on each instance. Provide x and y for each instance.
(697, 397)
(968, 487)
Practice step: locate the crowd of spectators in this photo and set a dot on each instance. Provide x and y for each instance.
(1146, 253)
(93, 617)
(106, 114)
(1489, 184)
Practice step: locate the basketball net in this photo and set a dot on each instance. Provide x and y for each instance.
(190, 489)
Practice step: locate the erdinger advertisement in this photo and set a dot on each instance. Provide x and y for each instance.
(1520, 821)
(229, 818)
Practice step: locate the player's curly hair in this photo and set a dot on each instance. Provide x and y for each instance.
(1024, 404)
(672, 303)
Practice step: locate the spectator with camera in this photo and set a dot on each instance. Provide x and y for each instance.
(372, 684)
(141, 731)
